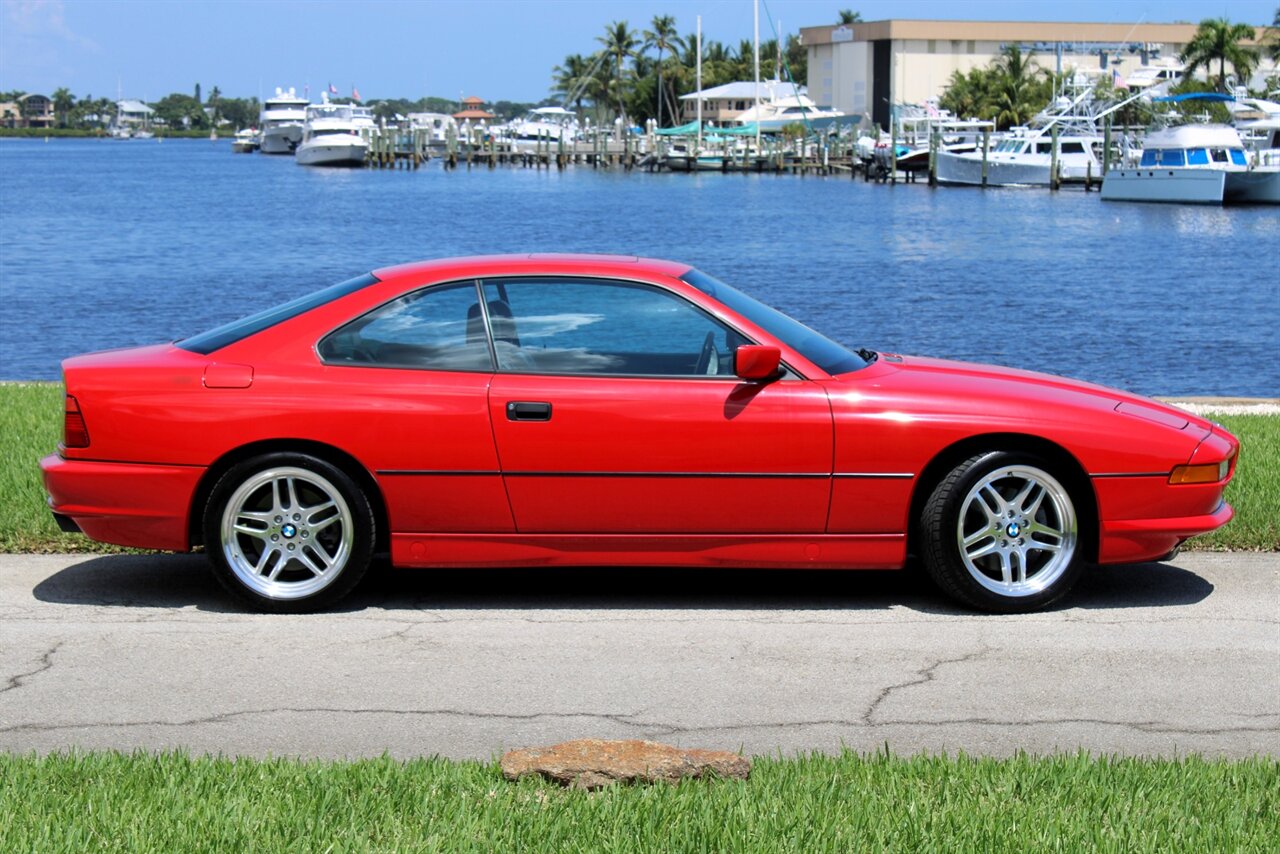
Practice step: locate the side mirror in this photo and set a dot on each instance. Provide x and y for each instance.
(757, 362)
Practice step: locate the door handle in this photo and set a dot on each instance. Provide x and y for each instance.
(527, 410)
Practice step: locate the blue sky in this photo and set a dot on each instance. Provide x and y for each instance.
(497, 49)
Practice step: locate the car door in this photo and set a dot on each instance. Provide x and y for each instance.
(615, 411)
(407, 388)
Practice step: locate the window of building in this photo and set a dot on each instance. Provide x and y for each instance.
(933, 45)
(970, 46)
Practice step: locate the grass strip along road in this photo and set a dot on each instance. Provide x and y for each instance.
(172, 802)
(31, 424)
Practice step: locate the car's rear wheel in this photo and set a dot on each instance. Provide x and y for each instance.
(288, 532)
(1000, 532)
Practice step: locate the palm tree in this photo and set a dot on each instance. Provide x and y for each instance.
(63, 101)
(1014, 87)
(1273, 36)
(1219, 39)
(571, 80)
(620, 43)
(848, 16)
(663, 37)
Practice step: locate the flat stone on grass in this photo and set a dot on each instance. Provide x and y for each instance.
(590, 763)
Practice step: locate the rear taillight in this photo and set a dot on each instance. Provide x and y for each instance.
(74, 432)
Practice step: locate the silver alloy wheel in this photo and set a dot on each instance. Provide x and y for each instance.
(1017, 531)
(287, 533)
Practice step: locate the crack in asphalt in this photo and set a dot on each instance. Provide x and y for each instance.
(657, 728)
(618, 718)
(46, 662)
(923, 677)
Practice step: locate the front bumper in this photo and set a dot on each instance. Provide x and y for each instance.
(1145, 518)
(128, 504)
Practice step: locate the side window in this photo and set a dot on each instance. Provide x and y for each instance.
(437, 328)
(579, 326)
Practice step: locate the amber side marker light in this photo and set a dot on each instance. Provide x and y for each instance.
(1206, 473)
(74, 432)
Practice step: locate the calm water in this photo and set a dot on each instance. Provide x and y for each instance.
(109, 244)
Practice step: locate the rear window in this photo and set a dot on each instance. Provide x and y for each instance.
(237, 330)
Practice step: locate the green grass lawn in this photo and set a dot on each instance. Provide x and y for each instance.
(31, 425)
(172, 802)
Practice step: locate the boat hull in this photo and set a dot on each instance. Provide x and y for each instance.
(1256, 187)
(338, 152)
(283, 139)
(966, 170)
(1176, 186)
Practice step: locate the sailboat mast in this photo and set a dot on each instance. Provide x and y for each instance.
(756, 8)
(699, 83)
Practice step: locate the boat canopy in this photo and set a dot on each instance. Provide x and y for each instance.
(1194, 96)
(682, 130)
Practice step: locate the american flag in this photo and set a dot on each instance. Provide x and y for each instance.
(355, 94)
(333, 90)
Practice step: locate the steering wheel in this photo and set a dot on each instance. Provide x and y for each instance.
(709, 358)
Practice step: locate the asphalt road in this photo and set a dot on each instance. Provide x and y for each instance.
(144, 652)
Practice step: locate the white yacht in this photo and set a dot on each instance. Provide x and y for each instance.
(281, 122)
(796, 109)
(1199, 164)
(1024, 158)
(1169, 71)
(438, 127)
(541, 126)
(335, 135)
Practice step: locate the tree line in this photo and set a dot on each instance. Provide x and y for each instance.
(640, 74)
(1012, 90)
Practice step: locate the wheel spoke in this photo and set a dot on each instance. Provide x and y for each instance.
(977, 537)
(250, 531)
(1019, 564)
(313, 512)
(983, 551)
(277, 500)
(1020, 500)
(992, 501)
(281, 561)
(263, 560)
(315, 559)
(1006, 574)
(292, 486)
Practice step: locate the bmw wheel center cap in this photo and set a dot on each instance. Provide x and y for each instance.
(1013, 530)
(288, 530)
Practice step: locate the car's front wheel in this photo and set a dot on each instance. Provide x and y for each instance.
(288, 532)
(1000, 532)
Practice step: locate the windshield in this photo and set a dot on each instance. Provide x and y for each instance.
(822, 351)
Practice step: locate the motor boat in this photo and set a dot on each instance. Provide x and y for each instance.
(797, 109)
(542, 126)
(335, 135)
(1197, 164)
(281, 121)
(246, 141)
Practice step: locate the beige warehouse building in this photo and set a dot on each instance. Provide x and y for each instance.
(867, 67)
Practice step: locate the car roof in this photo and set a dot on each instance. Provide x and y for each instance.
(541, 263)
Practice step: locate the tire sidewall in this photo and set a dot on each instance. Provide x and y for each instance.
(349, 575)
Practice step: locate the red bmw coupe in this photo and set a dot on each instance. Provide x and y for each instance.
(591, 410)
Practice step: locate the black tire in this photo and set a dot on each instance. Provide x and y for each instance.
(993, 547)
(288, 533)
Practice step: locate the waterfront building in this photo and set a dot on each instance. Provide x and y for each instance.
(134, 112)
(867, 67)
(473, 110)
(36, 111)
(10, 114)
(723, 104)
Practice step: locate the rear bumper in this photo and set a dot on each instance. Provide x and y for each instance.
(128, 504)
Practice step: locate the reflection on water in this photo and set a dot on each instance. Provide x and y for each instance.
(110, 244)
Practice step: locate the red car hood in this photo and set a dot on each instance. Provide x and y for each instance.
(1011, 388)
